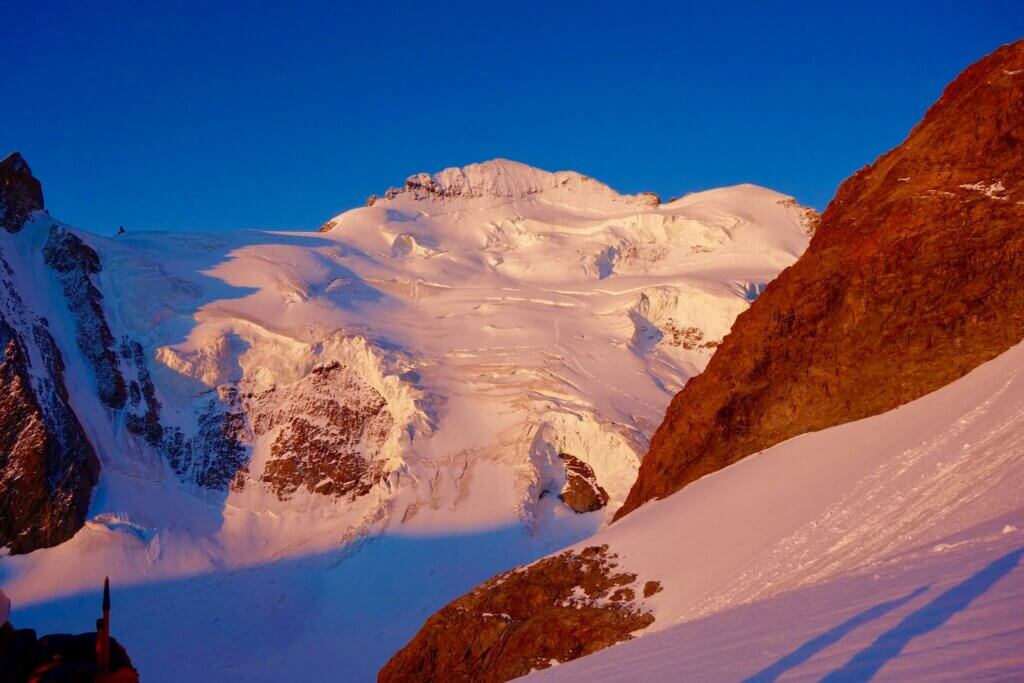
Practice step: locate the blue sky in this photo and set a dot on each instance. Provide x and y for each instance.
(284, 114)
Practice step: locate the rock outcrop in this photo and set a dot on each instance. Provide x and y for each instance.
(504, 179)
(581, 491)
(143, 415)
(915, 276)
(331, 427)
(47, 465)
(557, 609)
(216, 456)
(62, 657)
(326, 432)
(75, 263)
(20, 192)
(59, 658)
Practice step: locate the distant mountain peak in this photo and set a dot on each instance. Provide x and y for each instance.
(505, 179)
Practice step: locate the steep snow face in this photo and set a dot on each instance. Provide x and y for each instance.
(917, 512)
(552, 314)
(481, 355)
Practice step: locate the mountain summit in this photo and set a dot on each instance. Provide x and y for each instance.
(505, 180)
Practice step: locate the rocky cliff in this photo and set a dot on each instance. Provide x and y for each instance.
(75, 263)
(913, 278)
(47, 465)
(20, 192)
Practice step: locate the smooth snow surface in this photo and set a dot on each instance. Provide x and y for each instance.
(502, 314)
(890, 546)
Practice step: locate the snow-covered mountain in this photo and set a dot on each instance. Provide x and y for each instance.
(456, 378)
(291, 450)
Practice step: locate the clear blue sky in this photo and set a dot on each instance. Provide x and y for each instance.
(283, 114)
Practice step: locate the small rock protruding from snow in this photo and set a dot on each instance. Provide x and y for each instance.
(582, 493)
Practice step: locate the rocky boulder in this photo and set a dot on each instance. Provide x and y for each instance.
(59, 658)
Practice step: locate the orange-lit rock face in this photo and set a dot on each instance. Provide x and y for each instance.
(557, 609)
(913, 278)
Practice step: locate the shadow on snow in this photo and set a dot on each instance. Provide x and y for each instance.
(335, 615)
(816, 645)
(866, 663)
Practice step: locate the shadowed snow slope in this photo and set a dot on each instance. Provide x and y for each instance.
(891, 544)
(420, 373)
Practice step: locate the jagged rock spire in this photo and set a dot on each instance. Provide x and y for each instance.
(20, 192)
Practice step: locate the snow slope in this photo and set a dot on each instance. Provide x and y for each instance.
(925, 615)
(362, 423)
(891, 544)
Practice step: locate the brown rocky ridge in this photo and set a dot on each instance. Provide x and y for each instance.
(558, 609)
(327, 431)
(914, 276)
